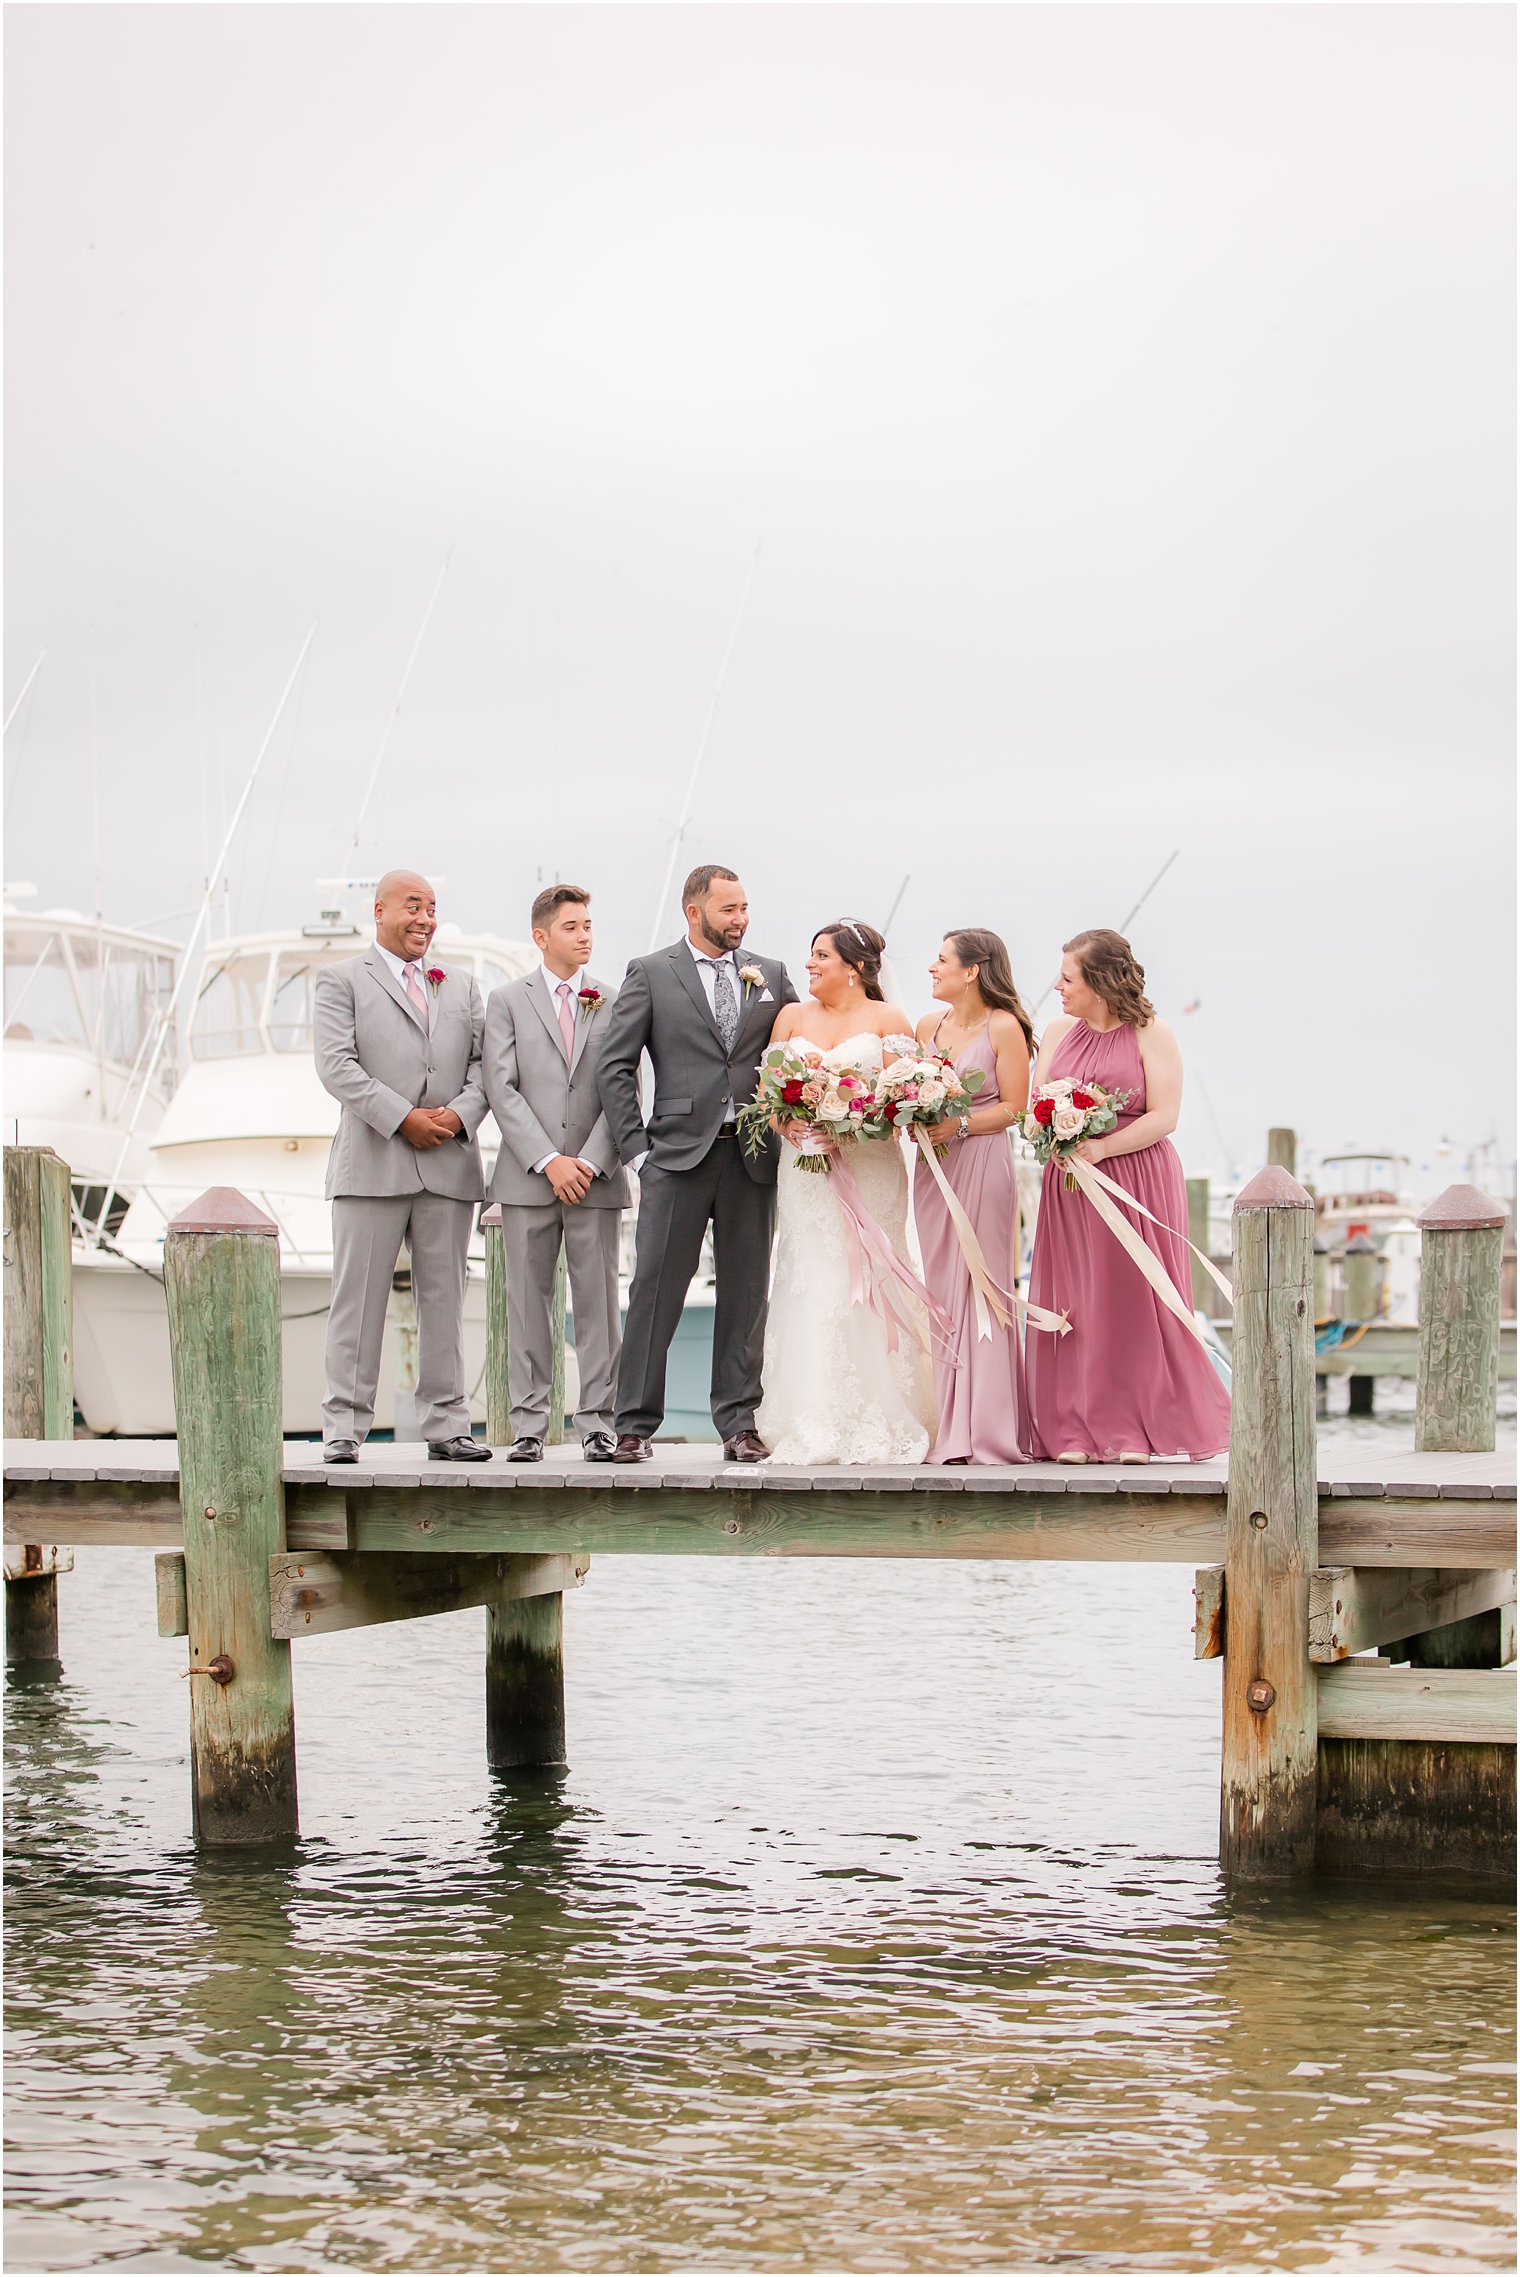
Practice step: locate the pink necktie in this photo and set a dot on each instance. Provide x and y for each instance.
(417, 993)
(566, 1018)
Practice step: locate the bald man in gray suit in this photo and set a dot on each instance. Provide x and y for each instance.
(398, 1046)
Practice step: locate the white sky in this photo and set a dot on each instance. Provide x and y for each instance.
(1124, 397)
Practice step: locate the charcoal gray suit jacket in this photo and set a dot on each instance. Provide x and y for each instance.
(662, 1008)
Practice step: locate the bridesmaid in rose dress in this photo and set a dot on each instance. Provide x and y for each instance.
(979, 1393)
(1129, 1381)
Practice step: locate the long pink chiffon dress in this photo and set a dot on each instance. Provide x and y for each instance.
(978, 1383)
(1129, 1379)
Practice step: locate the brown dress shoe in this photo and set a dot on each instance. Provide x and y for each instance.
(745, 1447)
(630, 1448)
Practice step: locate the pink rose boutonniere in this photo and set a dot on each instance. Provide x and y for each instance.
(752, 977)
(436, 976)
(588, 999)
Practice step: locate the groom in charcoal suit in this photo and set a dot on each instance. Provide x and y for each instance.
(704, 1014)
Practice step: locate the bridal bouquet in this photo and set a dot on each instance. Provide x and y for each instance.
(1064, 1113)
(917, 1090)
(799, 1084)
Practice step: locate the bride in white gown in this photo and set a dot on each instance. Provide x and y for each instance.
(834, 1390)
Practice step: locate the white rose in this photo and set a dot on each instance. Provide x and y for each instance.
(1066, 1122)
(832, 1108)
(930, 1093)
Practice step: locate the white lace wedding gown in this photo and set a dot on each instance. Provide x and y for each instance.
(833, 1392)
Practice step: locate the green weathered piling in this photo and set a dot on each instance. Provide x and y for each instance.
(39, 1368)
(1461, 1242)
(1198, 1235)
(1267, 1807)
(1282, 1150)
(222, 1278)
(525, 1669)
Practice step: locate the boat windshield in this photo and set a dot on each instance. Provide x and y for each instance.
(85, 990)
(261, 1000)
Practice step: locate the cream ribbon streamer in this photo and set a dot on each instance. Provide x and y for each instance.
(1097, 1186)
(990, 1299)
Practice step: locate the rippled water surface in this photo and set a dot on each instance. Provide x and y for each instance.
(876, 1925)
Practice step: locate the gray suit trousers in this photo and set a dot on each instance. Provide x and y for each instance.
(674, 1209)
(367, 1233)
(530, 1239)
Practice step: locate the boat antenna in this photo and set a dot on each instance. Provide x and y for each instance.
(21, 699)
(897, 903)
(1130, 915)
(166, 1017)
(352, 847)
(696, 765)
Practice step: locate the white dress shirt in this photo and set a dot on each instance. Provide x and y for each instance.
(706, 966)
(399, 965)
(553, 985)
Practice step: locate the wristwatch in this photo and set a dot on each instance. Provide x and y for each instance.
(965, 1126)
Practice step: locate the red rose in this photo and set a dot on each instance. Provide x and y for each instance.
(437, 975)
(1083, 1099)
(591, 996)
(1043, 1110)
(889, 1111)
(792, 1092)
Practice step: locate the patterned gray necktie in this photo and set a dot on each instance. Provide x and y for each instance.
(725, 1004)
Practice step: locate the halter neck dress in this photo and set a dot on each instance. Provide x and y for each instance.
(979, 1382)
(1129, 1378)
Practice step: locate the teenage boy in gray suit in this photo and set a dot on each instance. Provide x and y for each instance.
(398, 1045)
(704, 1014)
(557, 1177)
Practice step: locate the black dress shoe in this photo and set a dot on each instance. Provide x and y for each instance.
(341, 1451)
(745, 1447)
(526, 1450)
(630, 1448)
(459, 1450)
(599, 1447)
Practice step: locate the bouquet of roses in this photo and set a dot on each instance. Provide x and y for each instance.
(797, 1084)
(918, 1088)
(1064, 1113)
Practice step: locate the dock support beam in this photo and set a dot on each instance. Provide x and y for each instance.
(222, 1280)
(39, 1370)
(1267, 1804)
(525, 1662)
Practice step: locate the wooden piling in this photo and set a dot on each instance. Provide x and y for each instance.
(525, 1666)
(1267, 1808)
(1461, 1245)
(39, 1370)
(1198, 1235)
(222, 1280)
(1282, 1150)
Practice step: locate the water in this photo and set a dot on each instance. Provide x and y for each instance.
(875, 1926)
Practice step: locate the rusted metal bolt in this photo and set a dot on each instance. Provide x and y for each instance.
(1260, 1695)
(209, 1512)
(730, 1525)
(220, 1670)
(1259, 1519)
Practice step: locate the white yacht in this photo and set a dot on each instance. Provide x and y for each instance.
(249, 1112)
(84, 1005)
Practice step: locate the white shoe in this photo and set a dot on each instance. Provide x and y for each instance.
(1071, 1458)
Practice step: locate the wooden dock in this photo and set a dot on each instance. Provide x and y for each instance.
(1363, 1606)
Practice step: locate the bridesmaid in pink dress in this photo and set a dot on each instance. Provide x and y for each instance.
(980, 1392)
(1129, 1381)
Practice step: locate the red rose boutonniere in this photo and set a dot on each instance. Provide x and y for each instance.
(436, 976)
(588, 999)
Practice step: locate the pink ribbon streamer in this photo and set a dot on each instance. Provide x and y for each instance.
(878, 1276)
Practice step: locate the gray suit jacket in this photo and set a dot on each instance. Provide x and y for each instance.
(541, 1104)
(378, 1058)
(662, 1008)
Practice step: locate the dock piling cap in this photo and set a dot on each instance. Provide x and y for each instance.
(1461, 1209)
(1273, 1189)
(222, 1209)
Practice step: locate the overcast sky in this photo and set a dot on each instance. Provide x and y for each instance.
(1124, 397)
